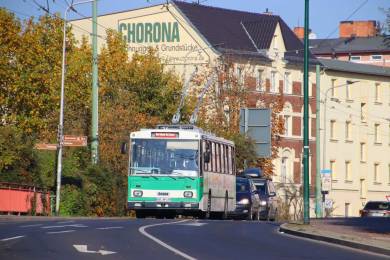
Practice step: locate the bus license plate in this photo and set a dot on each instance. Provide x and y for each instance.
(162, 199)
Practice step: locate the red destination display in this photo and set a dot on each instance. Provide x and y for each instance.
(165, 135)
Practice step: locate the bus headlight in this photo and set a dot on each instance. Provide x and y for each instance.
(137, 193)
(188, 194)
(263, 203)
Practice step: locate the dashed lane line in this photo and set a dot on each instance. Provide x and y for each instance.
(105, 228)
(11, 238)
(65, 222)
(60, 232)
(32, 225)
(161, 243)
(63, 226)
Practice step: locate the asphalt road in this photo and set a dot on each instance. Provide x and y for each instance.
(160, 239)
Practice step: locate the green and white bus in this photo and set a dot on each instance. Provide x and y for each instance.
(180, 169)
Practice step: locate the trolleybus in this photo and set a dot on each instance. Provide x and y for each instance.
(180, 169)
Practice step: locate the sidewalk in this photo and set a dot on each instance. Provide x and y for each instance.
(370, 234)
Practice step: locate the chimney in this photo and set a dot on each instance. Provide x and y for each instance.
(300, 33)
(357, 29)
(267, 12)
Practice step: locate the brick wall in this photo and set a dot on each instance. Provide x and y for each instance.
(357, 28)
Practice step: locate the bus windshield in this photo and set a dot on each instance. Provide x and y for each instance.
(164, 157)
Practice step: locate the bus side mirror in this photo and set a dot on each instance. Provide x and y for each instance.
(206, 156)
(124, 148)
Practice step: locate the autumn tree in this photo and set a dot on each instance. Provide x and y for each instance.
(220, 110)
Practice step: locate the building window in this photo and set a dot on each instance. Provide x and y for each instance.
(377, 134)
(363, 112)
(287, 125)
(363, 152)
(388, 173)
(354, 58)
(376, 172)
(240, 76)
(347, 170)
(348, 94)
(333, 129)
(377, 93)
(347, 209)
(376, 57)
(332, 166)
(273, 82)
(283, 174)
(363, 189)
(287, 83)
(333, 88)
(348, 131)
(260, 86)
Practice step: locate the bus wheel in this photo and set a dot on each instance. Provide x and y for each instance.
(208, 212)
(225, 208)
(139, 214)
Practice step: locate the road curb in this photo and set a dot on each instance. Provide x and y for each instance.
(333, 240)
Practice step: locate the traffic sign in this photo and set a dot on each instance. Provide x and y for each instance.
(328, 204)
(326, 179)
(42, 146)
(72, 140)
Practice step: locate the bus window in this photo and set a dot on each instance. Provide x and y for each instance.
(218, 157)
(233, 156)
(208, 148)
(231, 160)
(204, 148)
(227, 159)
(213, 156)
(222, 158)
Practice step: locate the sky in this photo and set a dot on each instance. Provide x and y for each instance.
(325, 15)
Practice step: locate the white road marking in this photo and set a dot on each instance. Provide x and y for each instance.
(195, 224)
(11, 238)
(161, 243)
(63, 226)
(84, 249)
(104, 228)
(65, 222)
(33, 225)
(59, 232)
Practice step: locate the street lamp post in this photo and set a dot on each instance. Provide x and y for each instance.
(61, 121)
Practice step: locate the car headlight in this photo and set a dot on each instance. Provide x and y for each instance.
(263, 203)
(244, 201)
(188, 194)
(137, 193)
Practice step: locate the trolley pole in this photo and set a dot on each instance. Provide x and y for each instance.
(306, 187)
(95, 94)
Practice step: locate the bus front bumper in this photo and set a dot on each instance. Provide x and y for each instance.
(162, 205)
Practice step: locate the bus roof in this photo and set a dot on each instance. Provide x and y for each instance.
(177, 131)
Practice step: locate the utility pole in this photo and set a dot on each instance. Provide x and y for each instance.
(60, 137)
(95, 90)
(318, 141)
(306, 187)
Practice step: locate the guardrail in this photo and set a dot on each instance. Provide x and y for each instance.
(23, 199)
